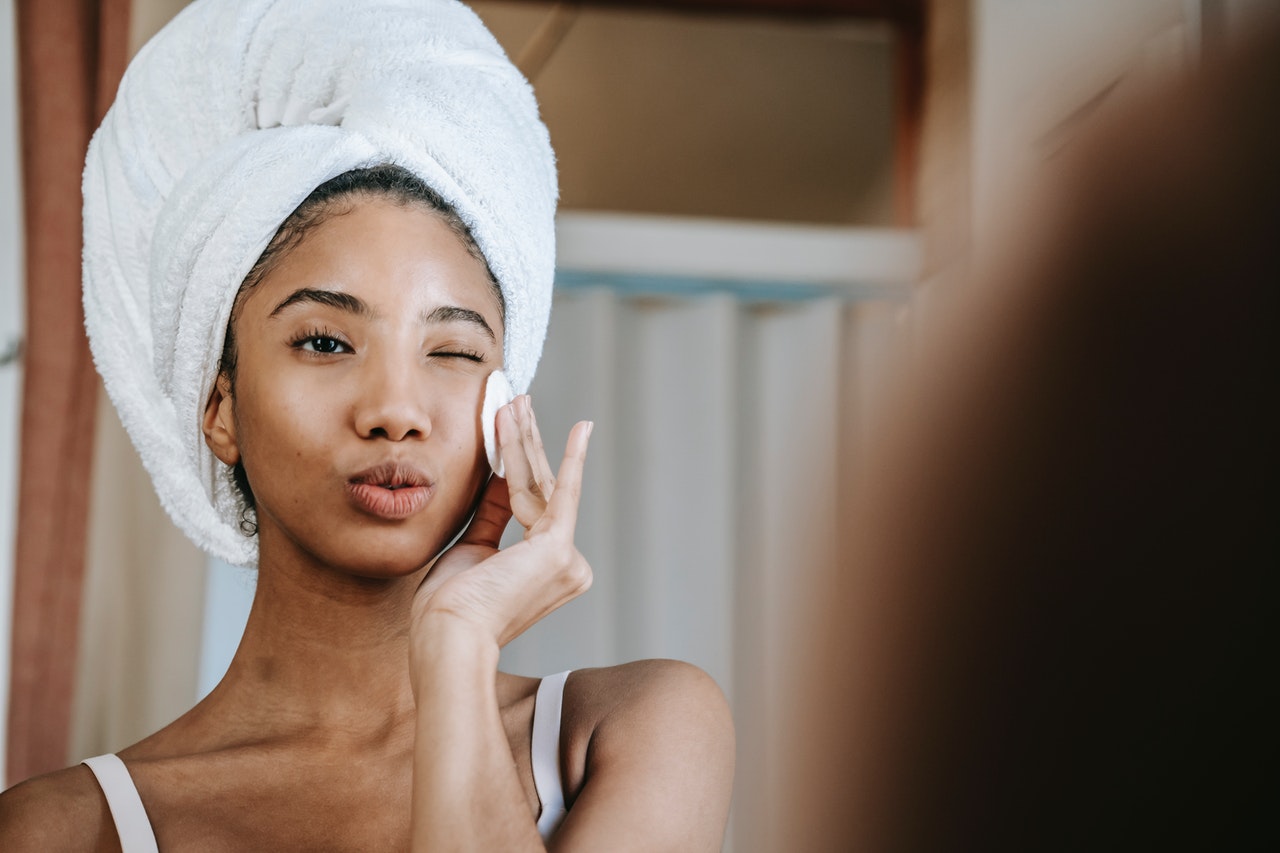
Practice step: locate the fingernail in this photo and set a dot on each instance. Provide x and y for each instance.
(591, 425)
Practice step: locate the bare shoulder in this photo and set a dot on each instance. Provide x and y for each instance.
(648, 738)
(671, 694)
(63, 810)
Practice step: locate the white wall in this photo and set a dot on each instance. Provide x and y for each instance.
(228, 596)
(11, 323)
(717, 359)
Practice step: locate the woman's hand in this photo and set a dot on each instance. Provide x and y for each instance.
(661, 739)
(500, 594)
(474, 600)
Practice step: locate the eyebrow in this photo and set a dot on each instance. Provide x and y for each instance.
(332, 298)
(454, 314)
(355, 305)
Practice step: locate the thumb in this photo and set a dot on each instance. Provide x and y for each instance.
(491, 516)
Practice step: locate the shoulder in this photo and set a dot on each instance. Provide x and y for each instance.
(64, 810)
(654, 707)
(672, 694)
(648, 738)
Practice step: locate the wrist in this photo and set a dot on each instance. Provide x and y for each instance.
(441, 640)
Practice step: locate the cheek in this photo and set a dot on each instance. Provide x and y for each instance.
(458, 435)
(283, 414)
(283, 433)
(456, 449)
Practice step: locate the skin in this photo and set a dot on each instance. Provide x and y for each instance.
(363, 709)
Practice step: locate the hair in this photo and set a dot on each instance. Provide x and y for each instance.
(335, 197)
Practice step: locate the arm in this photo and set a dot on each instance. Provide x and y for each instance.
(659, 760)
(659, 765)
(466, 794)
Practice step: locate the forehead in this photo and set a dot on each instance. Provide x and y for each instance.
(394, 255)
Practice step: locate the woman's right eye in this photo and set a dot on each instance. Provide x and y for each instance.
(322, 344)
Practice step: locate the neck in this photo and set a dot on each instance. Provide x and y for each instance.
(324, 653)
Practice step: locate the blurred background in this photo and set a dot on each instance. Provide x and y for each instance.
(760, 199)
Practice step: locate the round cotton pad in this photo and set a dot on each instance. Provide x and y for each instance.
(497, 393)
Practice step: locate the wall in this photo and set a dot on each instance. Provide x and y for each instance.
(724, 404)
(715, 115)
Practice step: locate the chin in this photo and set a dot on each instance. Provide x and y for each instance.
(360, 547)
(387, 562)
(382, 554)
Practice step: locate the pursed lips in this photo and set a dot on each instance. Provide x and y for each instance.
(392, 490)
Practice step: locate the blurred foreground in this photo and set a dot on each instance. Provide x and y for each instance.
(1049, 630)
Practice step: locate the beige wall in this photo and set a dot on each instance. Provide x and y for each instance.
(715, 115)
(146, 17)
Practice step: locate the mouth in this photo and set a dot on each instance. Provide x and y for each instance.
(391, 491)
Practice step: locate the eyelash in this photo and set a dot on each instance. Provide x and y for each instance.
(460, 352)
(319, 334)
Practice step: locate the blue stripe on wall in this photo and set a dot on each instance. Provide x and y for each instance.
(643, 284)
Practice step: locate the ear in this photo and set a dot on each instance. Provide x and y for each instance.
(219, 423)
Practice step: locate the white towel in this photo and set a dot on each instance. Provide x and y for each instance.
(223, 124)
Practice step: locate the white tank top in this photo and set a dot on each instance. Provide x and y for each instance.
(134, 827)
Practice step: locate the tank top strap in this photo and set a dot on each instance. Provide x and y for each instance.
(132, 824)
(545, 748)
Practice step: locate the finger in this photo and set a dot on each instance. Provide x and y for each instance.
(527, 502)
(533, 448)
(491, 516)
(562, 510)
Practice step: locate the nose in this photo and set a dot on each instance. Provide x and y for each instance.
(392, 403)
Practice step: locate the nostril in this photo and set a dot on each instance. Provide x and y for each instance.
(392, 420)
(397, 435)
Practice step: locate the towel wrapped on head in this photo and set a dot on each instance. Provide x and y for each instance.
(223, 124)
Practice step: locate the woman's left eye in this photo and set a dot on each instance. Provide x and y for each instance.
(469, 355)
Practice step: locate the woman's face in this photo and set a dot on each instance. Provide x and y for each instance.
(361, 364)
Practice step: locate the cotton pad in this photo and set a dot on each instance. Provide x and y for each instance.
(497, 393)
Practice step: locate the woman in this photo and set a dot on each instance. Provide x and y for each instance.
(338, 377)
